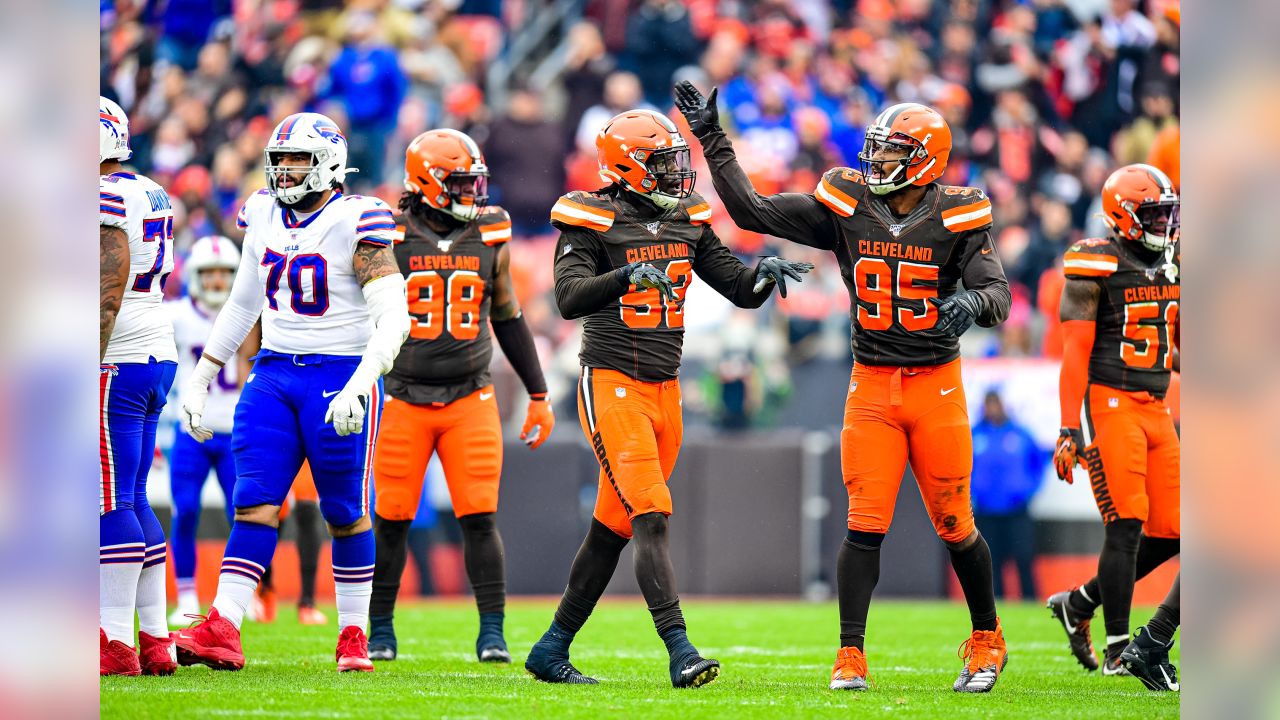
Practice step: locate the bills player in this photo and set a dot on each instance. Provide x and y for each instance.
(209, 269)
(317, 266)
(138, 361)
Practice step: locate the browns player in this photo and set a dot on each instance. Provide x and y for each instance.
(904, 243)
(1120, 331)
(626, 256)
(440, 398)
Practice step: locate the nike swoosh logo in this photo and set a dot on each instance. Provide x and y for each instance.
(485, 396)
(948, 392)
(986, 251)
(330, 394)
(1070, 628)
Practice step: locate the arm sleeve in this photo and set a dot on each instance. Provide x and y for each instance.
(797, 217)
(982, 272)
(581, 288)
(240, 312)
(1077, 343)
(725, 273)
(517, 344)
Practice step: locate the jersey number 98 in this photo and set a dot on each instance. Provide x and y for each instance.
(437, 304)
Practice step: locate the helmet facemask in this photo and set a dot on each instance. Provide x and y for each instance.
(468, 192)
(669, 175)
(1159, 222)
(311, 182)
(213, 297)
(909, 154)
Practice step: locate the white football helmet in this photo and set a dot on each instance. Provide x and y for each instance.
(307, 133)
(113, 132)
(210, 253)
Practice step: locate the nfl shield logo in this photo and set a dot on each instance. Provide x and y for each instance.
(853, 386)
(652, 227)
(444, 245)
(1113, 402)
(895, 229)
(620, 392)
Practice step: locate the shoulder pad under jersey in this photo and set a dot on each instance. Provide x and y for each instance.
(111, 205)
(252, 204)
(1091, 258)
(495, 225)
(582, 209)
(841, 189)
(375, 223)
(964, 208)
(697, 209)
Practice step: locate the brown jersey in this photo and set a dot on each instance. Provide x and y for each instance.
(635, 331)
(891, 265)
(449, 279)
(1137, 312)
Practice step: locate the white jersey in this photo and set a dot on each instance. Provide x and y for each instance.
(141, 208)
(313, 302)
(191, 327)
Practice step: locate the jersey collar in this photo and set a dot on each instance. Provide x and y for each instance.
(291, 220)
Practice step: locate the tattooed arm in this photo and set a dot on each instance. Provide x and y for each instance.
(374, 261)
(113, 273)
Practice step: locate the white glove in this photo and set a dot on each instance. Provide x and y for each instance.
(348, 407)
(347, 411)
(194, 395)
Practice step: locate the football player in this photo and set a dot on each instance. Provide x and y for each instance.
(1120, 331)
(626, 256)
(137, 362)
(317, 267)
(210, 267)
(904, 243)
(440, 400)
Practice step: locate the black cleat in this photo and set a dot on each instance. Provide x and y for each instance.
(1148, 660)
(382, 638)
(553, 666)
(693, 671)
(1111, 664)
(1076, 627)
(494, 653)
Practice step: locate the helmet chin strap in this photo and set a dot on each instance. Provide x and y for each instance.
(886, 188)
(661, 200)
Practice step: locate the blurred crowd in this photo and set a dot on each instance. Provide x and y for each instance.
(1044, 97)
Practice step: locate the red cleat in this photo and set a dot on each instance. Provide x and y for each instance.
(157, 655)
(116, 658)
(308, 615)
(213, 641)
(353, 650)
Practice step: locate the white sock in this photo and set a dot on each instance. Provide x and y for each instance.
(117, 594)
(188, 600)
(1113, 639)
(153, 601)
(235, 593)
(353, 603)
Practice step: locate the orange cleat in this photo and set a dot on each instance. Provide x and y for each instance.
(264, 605)
(211, 640)
(308, 615)
(116, 658)
(985, 656)
(158, 656)
(353, 651)
(850, 672)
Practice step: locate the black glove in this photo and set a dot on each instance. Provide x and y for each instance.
(698, 110)
(957, 313)
(646, 276)
(777, 270)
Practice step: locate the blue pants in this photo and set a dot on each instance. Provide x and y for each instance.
(131, 396)
(280, 422)
(189, 465)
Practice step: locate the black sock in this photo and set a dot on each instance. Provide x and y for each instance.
(1116, 574)
(483, 556)
(592, 569)
(267, 584)
(657, 579)
(390, 554)
(1165, 622)
(857, 572)
(1152, 553)
(310, 537)
(973, 570)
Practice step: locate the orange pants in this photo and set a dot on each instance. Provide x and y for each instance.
(635, 429)
(303, 490)
(893, 415)
(467, 433)
(1133, 457)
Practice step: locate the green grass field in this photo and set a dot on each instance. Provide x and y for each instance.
(776, 659)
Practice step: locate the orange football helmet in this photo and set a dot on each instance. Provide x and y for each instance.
(1140, 204)
(916, 129)
(644, 152)
(445, 168)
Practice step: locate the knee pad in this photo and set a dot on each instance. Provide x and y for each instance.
(863, 540)
(1122, 536)
(394, 502)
